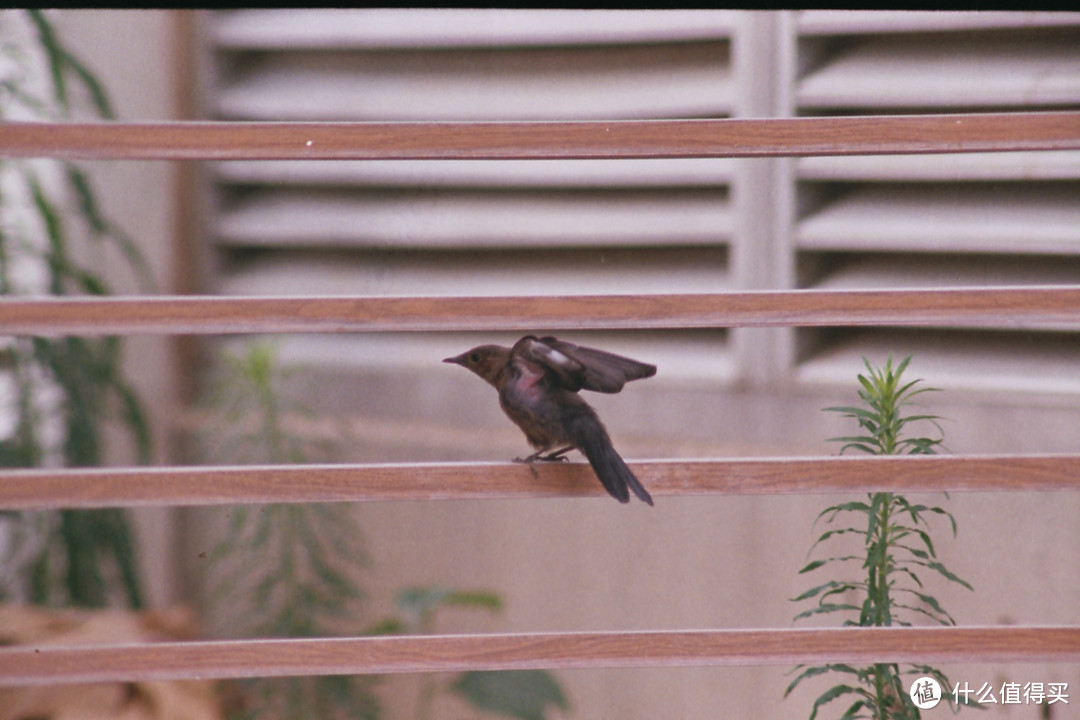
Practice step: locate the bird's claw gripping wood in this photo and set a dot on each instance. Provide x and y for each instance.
(557, 456)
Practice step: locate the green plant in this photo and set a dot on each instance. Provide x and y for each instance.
(285, 571)
(896, 552)
(280, 570)
(292, 570)
(65, 391)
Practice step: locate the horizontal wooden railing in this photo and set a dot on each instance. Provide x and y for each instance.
(203, 485)
(214, 315)
(513, 651)
(873, 135)
(1013, 306)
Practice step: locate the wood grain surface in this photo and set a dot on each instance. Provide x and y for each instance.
(205, 315)
(861, 135)
(438, 653)
(167, 486)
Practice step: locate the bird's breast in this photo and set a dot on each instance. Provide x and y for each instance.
(529, 402)
(528, 385)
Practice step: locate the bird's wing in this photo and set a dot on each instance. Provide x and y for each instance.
(569, 373)
(584, 368)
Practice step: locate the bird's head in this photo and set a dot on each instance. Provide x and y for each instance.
(487, 361)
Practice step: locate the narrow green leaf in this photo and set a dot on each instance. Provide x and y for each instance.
(54, 56)
(812, 566)
(945, 572)
(482, 599)
(134, 417)
(834, 533)
(853, 411)
(50, 217)
(925, 537)
(835, 585)
(817, 670)
(97, 91)
(869, 385)
(932, 603)
(387, 626)
(101, 226)
(854, 506)
(839, 691)
(914, 578)
(825, 610)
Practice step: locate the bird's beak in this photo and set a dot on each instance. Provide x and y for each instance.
(458, 360)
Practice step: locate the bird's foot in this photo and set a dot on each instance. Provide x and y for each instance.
(556, 456)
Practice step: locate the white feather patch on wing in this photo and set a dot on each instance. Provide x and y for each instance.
(553, 356)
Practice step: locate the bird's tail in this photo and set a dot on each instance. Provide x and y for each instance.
(589, 435)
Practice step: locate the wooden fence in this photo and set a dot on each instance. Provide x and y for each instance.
(1016, 306)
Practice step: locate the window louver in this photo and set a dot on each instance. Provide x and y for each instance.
(937, 220)
(475, 227)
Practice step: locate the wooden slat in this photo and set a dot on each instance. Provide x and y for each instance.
(592, 139)
(216, 315)
(90, 488)
(439, 653)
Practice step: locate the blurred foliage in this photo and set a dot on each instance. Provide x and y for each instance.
(280, 570)
(522, 694)
(293, 570)
(61, 394)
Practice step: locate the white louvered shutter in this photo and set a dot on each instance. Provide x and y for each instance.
(654, 226)
(937, 221)
(475, 227)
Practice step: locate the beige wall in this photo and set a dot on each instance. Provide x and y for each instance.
(591, 564)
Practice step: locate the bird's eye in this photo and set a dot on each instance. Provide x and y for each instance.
(475, 357)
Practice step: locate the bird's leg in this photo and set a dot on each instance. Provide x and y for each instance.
(558, 455)
(555, 456)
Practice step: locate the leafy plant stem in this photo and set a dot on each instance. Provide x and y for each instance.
(880, 581)
(897, 546)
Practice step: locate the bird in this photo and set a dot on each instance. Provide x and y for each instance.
(538, 380)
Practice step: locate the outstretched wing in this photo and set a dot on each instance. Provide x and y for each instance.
(582, 368)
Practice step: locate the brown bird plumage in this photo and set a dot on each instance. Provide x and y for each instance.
(538, 380)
